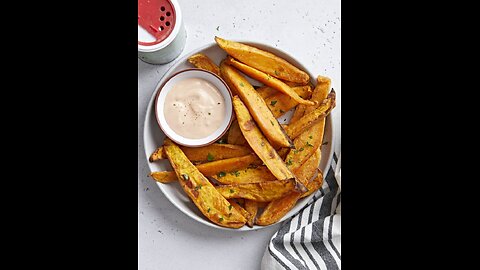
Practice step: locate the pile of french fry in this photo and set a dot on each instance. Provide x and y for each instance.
(260, 169)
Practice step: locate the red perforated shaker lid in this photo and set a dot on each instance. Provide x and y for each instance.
(157, 17)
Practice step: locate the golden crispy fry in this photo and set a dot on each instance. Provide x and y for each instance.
(276, 209)
(268, 80)
(320, 92)
(205, 196)
(309, 119)
(258, 108)
(246, 176)
(292, 84)
(227, 80)
(260, 192)
(164, 177)
(240, 209)
(314, 185)
(235, 135)
(252, 209)
(212, 168)
(157, 154)
(253, 174)
(308, 168)
(266, 91)
(260, 145)
(280, 103)
(210, 152)
(299, 113)
(214, 152)
(202, 61)
(264, 61)
(311, 138)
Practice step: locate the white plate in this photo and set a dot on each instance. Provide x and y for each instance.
(153, 136)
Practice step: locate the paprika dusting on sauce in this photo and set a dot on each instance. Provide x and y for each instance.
(194, 108)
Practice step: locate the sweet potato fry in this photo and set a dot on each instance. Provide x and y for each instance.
(268, 80)
(205, 196)
(276, 209)
(215, 152)
(260, 145)
(202, 61)
(260, 192)
(319, 94)
(309, 167)
(314, 185)
(257, 107)
(266, 91)
(309, 119)
(235, 135)
(264, 61)
(252, 209)
(157, 154)
(298, 113)
(227, 80)
(212, 168)
(239, 208)
(245, 176)
(280, 103)
(207, 153)
(311, 138)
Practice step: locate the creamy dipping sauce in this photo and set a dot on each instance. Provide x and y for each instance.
(194, 108)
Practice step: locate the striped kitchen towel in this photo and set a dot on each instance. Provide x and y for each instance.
(311, 238)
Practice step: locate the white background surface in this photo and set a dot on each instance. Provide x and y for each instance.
(307, 29)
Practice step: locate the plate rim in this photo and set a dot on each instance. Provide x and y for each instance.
(149, 110)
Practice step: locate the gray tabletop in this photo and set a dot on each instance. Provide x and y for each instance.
(309, 30)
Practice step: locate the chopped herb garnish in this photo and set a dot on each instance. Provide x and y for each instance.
(241, 84)
(198, 187)
(185, 177)
(271, 122)
(276, 73)
(218, 27)
(208, 211)
(210, 157)
(230, 207)
(289, 162)
(220, 219)
(310, 137)
(273, 103)
(301, 149)
(325, 143)
(236, 173)
(232, 191)
(308, 144)
(221, 174)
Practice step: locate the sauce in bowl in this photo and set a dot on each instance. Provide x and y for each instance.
(194, 108)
